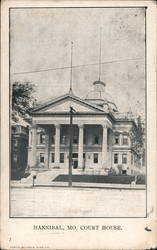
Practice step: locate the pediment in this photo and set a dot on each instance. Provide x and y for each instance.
(63, 104)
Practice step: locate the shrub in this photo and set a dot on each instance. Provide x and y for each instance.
(120, 169)
(112, 171)
(141, 179)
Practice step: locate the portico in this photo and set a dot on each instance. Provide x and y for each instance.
(49, 144)
(102, 139)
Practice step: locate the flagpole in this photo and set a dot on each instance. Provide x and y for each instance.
(100, 56)
(70, 91)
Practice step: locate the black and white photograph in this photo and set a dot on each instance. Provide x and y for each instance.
(78, 112)
(78, 124)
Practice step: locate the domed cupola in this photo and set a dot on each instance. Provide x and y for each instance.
(100, 97)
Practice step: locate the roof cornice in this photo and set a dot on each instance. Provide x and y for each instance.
(68, 95)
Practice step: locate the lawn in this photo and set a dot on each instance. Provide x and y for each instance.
(119, 179)
(96, 179)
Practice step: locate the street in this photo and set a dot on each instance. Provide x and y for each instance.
(77, 202)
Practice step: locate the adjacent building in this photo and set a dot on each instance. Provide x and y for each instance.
(103, 138)
(19, 149)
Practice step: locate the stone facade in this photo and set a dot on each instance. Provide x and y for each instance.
(102, 137)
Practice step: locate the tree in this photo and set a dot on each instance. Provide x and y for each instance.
(138, 139)
(22, 99)
(141, 139)
(140, 131)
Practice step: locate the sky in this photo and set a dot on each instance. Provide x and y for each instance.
(40, 38)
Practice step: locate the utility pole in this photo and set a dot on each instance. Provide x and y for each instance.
(72, 110)
(70, 146)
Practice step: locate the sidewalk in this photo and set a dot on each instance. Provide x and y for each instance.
(64, 201)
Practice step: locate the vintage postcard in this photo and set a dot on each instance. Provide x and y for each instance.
(78, 125)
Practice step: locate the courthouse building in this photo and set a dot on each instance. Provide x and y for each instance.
(103, 138)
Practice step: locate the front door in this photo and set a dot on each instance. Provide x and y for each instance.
(75, 160)
(75, 163)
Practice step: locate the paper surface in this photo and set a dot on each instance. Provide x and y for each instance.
(114, 218)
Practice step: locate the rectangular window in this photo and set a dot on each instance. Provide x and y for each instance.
(61, 157)
(115, 158)
(42, 139)
(124, 172)
(124, 158)
(52, 157)
(63, 139)
(74, 155)
(96, 139)
(75, 139)
(95, 159)
(125, 140)
(53, 139)
(42, 159)
(117, 139)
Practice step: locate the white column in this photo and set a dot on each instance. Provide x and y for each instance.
(34, 146)
(47, 149)
(80, 147)
(104, 146)
(129, 141)
(120, 139)
(30, 137)
(120, 158)
(29, 147)
(129, 162)
(57, 144)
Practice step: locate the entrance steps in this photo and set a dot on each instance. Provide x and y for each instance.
(89, 171)
(95, 172)
(45, 176)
